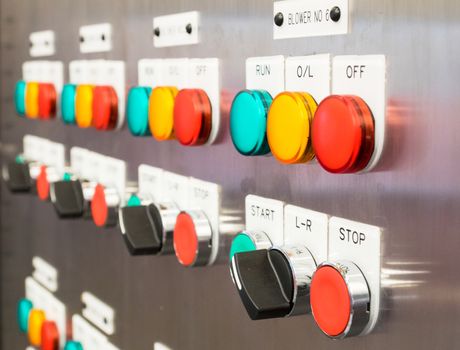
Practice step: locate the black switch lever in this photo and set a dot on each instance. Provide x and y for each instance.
(17, 177)
(142, 229)
(265, 283)
(67, 198)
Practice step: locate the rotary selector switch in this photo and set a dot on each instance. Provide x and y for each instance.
(248, 241)
(274, 283)
(68, 197)
(340, 299)
(17, 176)
(147, 228)
(104, 108)
(193, 238)
(49, 336)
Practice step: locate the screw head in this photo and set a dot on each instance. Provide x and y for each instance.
(279, 19)
(188, 28)
(82, 39)
(335, 14)
(156, 31)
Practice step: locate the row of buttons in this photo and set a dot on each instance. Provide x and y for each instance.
(35, 100)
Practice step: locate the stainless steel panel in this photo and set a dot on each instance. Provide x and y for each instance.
(414, 194)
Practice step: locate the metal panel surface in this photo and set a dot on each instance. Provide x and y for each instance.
(413, 194)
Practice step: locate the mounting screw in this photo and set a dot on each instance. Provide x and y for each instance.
(279, 19)
(103, 37)
(335, 13)
(31, 44)
(82, 39)
(156, 31)
(188, 28)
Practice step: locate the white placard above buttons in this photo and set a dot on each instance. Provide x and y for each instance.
(44, 72)
(265, 73)
(42, 43)
(150, 72)
(96, 38)
(176, 29)
(45, 273)
(307, 18)
(98, 312)
(311, 74)
(150, 182)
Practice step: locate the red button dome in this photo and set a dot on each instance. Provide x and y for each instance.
(99, 208)
(50, 336)
(192, 117)
(46, 101)
(343, 134)
(43, 185)
(185, 239)
(105, 108)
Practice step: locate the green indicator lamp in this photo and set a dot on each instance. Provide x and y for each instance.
(134, 201)
(20, 159)
(73, 345)
(23, 311)
(20, 97)
(137, 110)
(67, 176)
(242, 243)
(68, 103)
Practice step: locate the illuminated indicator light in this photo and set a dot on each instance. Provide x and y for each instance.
(50, 336)
(20, 97)
(185, 239)
(43, 185)
(289, 125)
(73, 345)
(330, 301)
(241, 243)
(36, 320)
(84, 106)
(24, 308)
(248, 122)
(99, 208)
(161, 112)
(137, 110)
(46, 101)
(32, 100)
(192, 117)
(343, 134)
(68, 103)
(105, 108)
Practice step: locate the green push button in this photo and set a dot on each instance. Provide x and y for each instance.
(68, 103)
(137, 110)
(24, 308)
(73, 345)
(248, 122)
(20, 97)
(241, 243)
(133, 201)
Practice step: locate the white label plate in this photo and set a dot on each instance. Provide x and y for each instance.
(150, 72)
(42, 43)
(78, 161)
(44, 72)
(360, 244)
(307, 228)
(150, 181)
(113, 174)
(266, 215)
(364, 76)
(160, 346)
(173, 29)
(176, 189)
(54, 156)
(307, 18)
(175, 72)
(89, 337)
(98, 312)
(265, 73)
(96, 38)
(45, 273)
(311, 74)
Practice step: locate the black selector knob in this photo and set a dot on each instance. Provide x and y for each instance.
(17, 177)
(265, 283)
(67, 198)
(142, 229)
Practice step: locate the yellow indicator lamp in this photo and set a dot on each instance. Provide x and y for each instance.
(32, 100)
(84, 105)
(36, 320)
(161, 112)
(289, 127)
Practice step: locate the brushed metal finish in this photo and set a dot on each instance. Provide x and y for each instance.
(414, 194)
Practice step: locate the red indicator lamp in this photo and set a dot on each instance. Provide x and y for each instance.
(46, 101)
(343, 134)
(50, 336)
(105, 108)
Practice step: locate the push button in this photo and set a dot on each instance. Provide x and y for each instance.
(104, 206)
(289, 125)
(17, 177)
(43, 185)
(274, 283)
(20, 97)
(192, 238)
(73, 345)
(68, 103)
(105, 108)
(192, 117)
(248, 122)
(36, 320)
(24, 308)
(50, 336)
(137, 110)
(32, 100)
(343, 134)
(161, 112)
(84, 105)
(46, 101)
(340, 299)
(247, 241)
(67, 198)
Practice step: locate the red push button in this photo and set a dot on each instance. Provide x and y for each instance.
(46, 101)
(105, 108)
(50, 336)
(43, 185)
(99, 208)
(330, 301)
(343, 134)
(192, 117)
(185, 239)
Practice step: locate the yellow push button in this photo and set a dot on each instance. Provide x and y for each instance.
(161, 112)
(32, 100)
(84, 106)
(289, 127)
(36, 320)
